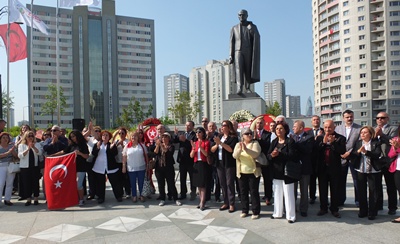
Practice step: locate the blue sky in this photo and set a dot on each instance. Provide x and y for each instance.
(189, 33)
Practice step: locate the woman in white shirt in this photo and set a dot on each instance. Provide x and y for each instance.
(134, 162)
(28, 152)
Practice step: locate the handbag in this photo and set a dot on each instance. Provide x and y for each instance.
(146, 191)
(262, 159)
(293, 169)
(13, 168)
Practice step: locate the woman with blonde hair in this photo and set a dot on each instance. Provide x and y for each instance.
(7, 152)
(28, 152)
(248, 172)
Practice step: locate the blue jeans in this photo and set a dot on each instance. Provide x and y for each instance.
(139, 175)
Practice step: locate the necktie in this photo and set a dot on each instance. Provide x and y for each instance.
(298, 138)
(259, 134)
(315, 132)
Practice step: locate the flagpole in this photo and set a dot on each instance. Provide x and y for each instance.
(32, 120)
(57, 69)
(8, 67)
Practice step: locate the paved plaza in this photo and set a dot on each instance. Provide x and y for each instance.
(127, 222)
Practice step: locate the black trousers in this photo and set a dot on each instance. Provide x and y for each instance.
(250, 183)
(367, 183)
(126, 183)
(343, 182)
(325, 180)
(214, 181)
(390, 190)
(266, 174)
(91, 179)
(116, 184)
(313, 186)
(166, 174)
(30, 182)
(184, 170)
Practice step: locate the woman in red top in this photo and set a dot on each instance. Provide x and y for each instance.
(201, 169)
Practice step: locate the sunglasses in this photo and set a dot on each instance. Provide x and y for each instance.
(46, 134)
(381, 117)
(55, 130)
(224, 125)
(31, 136)
(247, 134)
(121, 133)
(198, 132)
(204, 121)
(97, 131)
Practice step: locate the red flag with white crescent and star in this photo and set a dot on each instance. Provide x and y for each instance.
(60, 181)
(17, 41)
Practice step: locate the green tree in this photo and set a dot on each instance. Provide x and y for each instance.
(274, 109)
(50, 106)
(184, 109)
(6, 100)
(165, 120)
(133, 114)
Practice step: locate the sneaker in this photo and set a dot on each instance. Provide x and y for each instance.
(81, 202)
(127, 196)
(255, 216)
(243, 215)
(162, 202)
(178, 203)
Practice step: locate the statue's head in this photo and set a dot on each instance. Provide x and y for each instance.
(243, 15)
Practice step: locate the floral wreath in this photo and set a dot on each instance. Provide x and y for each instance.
(242, 116)
(151, 121)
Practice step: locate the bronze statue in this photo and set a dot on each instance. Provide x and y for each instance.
(245, 53)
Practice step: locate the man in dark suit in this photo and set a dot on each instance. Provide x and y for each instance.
(184, 159)
(315, 132)
(331, 146)
(304, 143)
(384, 132)
(351, 131)
(211, 133)
(264, 139)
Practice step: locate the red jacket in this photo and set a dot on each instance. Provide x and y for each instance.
(206, 145)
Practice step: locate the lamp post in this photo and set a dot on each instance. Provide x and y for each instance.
(3, 10)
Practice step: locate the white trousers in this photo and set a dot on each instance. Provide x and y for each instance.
(285, 192)
(8, 180)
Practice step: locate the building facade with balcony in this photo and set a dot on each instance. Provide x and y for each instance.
(104, 60)
(173, 83)
(275, 91)
(356, 59)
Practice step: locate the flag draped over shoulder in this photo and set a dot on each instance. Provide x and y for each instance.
(60, 181)
(17, 48)
(19, 13)
(72, 3)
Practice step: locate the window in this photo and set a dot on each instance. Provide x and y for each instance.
(362, 56)
(363, 75)
(348, 96)
(347, 68)
(395, 33)
(347, 31)
(394, 3)
(363, 123)
(347, 49)
(363, 104)
(394, 23)
(361, 18)
(363, 85)
(348, 87)
(395, 53)
(361, 47)
(347, 40)
(363, 114)
(363, 66)
(361, 37)
(360, 9)
(363, 94)
(394, 13)
(361, 27)
(347, 59)
(396, 92)
(345, 3)
(345, 13)
(346, 22)
(347, 77)
(395, 43)
(396, 62)
(349, 105)
(396, 72)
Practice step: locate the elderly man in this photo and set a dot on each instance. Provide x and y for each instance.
(385, 132)
(304, 143)
(331, 146)
(56, 143)
(315, 132)
(211, 133)
(204, 123)
(351, 131)
(245, 52)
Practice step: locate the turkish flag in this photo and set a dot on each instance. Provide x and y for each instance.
(17, 50)
(60, 181)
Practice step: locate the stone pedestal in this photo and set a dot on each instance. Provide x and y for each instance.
(248, 101)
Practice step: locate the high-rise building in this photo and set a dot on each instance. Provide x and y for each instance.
(104, 60)
(292, 106)
(211, 84)
(275, 92)
(309, 108)
(173, 83)
(356, 58)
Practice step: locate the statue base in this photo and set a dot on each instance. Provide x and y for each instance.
(246, 101)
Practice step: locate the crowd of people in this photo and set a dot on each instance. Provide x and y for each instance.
(223, 162)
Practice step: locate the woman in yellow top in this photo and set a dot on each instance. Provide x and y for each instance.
(248, 172)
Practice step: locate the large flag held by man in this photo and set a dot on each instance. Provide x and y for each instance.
(60, 181)
(19, 13)
(17, 48)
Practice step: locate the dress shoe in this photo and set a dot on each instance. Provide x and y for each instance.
(312, 201)
(231, 209)
(396, 221)
(322, 212)
(100, 201)
(202, 208)
(336, 214)
(119, 199)
(371, 217)
(28, 203)
(272, 217)
(290, 221)
(392, 212)
(8, 203)
(362, 215)
(223, 207)
(90, 197)
(268, 202)
(303, 214)
(36, 202)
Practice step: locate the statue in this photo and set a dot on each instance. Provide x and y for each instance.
(244, 53)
